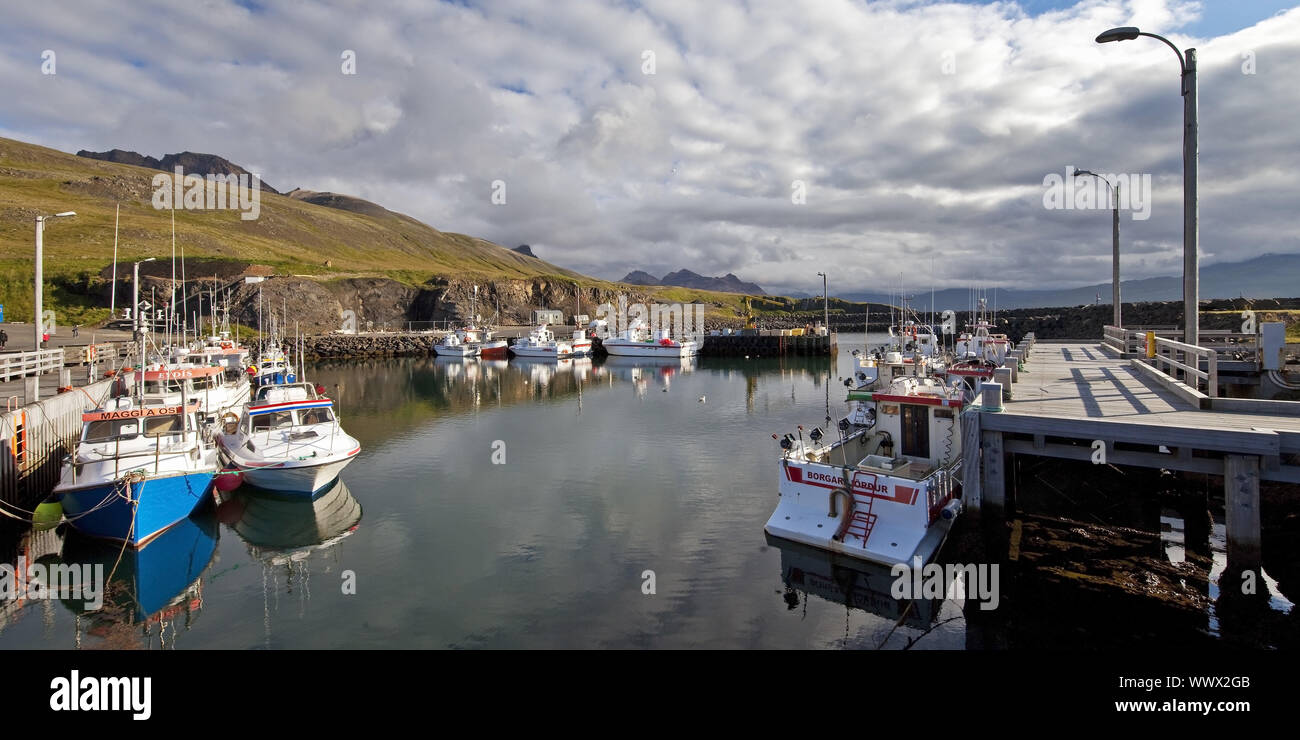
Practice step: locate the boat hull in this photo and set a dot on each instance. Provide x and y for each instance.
(549, 353)
(136, 518)
(624, 348)
(461, 350)
(299, 479)
(494, 350)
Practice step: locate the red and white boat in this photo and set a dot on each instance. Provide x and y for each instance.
(884, 485)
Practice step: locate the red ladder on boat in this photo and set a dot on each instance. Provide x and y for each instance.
(863, 520)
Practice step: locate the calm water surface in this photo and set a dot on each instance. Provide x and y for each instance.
(610, 470)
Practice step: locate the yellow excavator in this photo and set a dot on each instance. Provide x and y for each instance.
(750, 323)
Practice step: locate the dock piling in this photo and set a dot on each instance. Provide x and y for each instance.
(1241, 507)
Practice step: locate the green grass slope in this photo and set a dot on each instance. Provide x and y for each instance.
(290, 234)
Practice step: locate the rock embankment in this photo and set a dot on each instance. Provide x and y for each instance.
(330, 346)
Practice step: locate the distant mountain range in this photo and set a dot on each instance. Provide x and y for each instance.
(524, 249)
(192, 162)
(1266, 276)
(728, 283)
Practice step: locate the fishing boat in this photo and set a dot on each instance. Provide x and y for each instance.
(638, 341)
(493, 349)
(541, 342)
(136, 471)
(272, 368)
(288, 439)
(883, 485)
(455, 344)
(216, 389)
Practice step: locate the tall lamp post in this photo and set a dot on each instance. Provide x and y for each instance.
(1114, 238)
(1191, 233)
(39, 318)
(826, 305)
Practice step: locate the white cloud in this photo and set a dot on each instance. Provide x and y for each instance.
(610, 170)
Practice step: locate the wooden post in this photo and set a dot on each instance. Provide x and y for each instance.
(993, 481)
(65, 377)
(1241, 505)
(970, 460)
(32, 388)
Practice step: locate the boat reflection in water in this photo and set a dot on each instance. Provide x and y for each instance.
(640, 371)
(158, 588)
(863, 586)
(284, 533)
(280, 529)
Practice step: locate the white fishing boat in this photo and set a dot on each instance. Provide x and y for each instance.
(455, 345)
(216, 389)
(288, 439)
(883, 485)
(638, 341)
(541, 342)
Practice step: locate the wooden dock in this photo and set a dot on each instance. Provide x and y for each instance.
(1087, 401)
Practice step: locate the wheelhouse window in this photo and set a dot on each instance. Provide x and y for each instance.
(163, 386)
(273, 420)
(106, 430)
(317, 416)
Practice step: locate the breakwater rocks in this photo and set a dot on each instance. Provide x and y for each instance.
(329, 346)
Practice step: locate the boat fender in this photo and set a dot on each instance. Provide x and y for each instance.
(951, 510)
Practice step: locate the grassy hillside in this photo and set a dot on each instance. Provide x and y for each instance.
(322, 235)
(291, 234)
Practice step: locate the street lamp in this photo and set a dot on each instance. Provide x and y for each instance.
(826, 306)
(1191, 234)
(1114, 236)
(40, 272)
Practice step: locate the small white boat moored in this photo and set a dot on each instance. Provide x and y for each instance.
(883, 486)
(639, 341)
(288, 439)
(455, 345)
(541, 342)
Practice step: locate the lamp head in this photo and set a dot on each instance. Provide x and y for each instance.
(1123, 33)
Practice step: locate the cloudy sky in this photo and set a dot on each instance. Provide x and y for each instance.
(919, 134)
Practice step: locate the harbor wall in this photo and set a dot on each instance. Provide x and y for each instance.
(33, 440)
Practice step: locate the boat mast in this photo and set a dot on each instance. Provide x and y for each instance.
(112, 301)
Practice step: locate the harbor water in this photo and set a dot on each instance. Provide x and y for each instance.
(585, 504)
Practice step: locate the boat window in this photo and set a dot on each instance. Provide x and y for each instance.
(161, 426)
(273, 420)
(163, 386)
(108, 429)
(317, 416)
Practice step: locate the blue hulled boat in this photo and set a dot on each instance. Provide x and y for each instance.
(136, 471)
